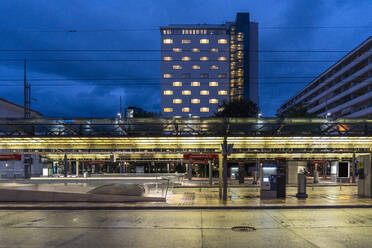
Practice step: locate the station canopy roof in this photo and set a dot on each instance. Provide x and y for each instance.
(160, 127)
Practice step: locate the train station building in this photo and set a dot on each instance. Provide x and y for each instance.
(66, 147)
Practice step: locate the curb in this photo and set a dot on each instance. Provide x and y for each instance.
(179, 207)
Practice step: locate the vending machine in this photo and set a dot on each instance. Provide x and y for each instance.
(269, 185)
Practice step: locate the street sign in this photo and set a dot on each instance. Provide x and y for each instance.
(209, 156)
(7, 157)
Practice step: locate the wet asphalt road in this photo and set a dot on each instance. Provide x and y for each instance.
(187, 228)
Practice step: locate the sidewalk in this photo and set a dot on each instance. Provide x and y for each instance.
(207, 198)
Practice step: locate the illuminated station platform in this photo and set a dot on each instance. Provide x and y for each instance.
(169, 142)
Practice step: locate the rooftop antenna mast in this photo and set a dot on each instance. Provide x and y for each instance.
(27, 94)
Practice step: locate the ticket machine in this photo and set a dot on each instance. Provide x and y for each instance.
(269, 183)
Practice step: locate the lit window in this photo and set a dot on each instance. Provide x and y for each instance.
(167, 41)
(195, 50)
(177, 101)
(195, 116)
(177, 50)
(195, 100)
(177, 67)
(204, 41)
(177, 116)
(185, 110)
(186, 92)
(213, 83)
(168, 92)
(222, 58)
(214, 50)
(222, 75)
(222, 41)
(167, 75)
(167, 58)
(168, 109)
(214, 67)
(196, 67)
(204, 58)
(204, 92)
(186, 58)
(177, 83)
(222, 92)
(204, 109)
(186, 41)
(195, 83)
(213, 100)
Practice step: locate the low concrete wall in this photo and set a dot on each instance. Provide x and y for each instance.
(14, 195)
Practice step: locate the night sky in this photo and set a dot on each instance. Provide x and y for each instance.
(134, 25)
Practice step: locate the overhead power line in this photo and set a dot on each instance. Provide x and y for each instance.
(138, 84)
(159, 50)
(135, 79)
(157, 28)
(157, 60)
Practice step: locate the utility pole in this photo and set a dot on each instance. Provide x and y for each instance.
(121, 110)
(226, 150)
(27, 94)
(224, 171)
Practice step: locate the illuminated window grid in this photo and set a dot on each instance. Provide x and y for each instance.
(222, 92)
(168, 92)
(167, 41)
(177, 101)
(186, 109)
(186, 58)
(204, 92)
(168, 110)
(177, 67)
(167, 58)
(186, 92)
(213, 84)
(204, 109)
(195, 100)
(222, 41)
(204, 58)
(195, 83)
(186, 41)
(177, 84)
(204, 41)
(167, 75)
(196, 67)
(213, 101)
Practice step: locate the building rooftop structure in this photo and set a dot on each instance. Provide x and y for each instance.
(201, 127)
(12, 110)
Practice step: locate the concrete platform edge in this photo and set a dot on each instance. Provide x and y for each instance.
(14, 207)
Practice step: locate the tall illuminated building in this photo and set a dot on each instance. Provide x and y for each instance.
(205, 64)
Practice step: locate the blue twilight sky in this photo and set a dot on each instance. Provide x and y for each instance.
(133, 24)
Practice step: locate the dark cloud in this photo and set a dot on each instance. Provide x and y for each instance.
(43, 25)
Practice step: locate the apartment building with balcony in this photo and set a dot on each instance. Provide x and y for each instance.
(205, 64)
(343, 90)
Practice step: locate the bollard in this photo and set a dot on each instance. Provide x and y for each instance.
(301, 191)
(316, 176)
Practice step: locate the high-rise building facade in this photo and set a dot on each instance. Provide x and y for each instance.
(205, 64)
(343, 90)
